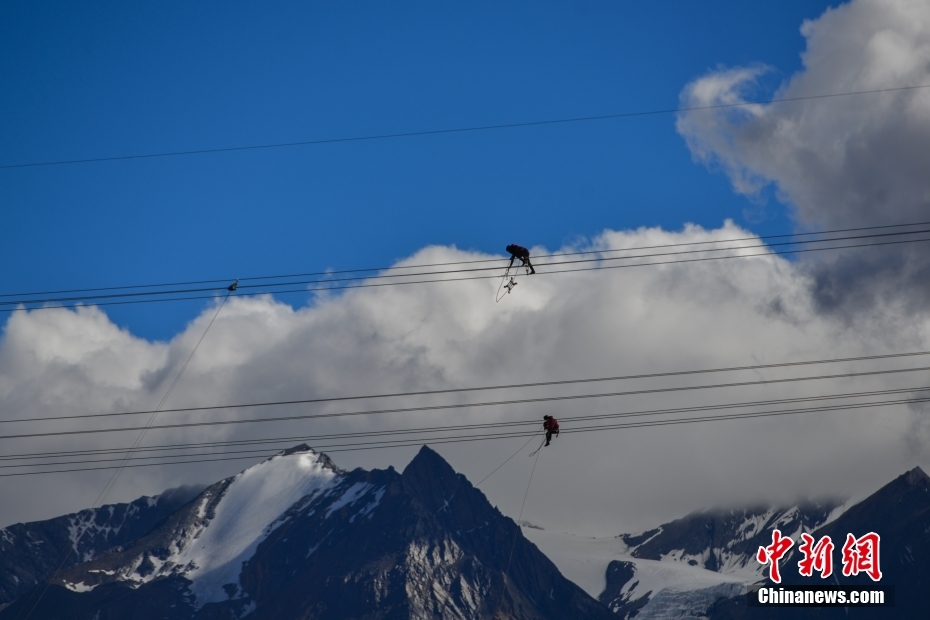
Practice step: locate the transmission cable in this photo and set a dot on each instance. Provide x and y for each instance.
(391, 276)
(291, 439)
(492, 436)
(313, 416)
(454, 263)
(513, 386)
(493, 425)
(366, 284)
(458, 130)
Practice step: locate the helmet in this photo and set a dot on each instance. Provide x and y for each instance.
(547, 417)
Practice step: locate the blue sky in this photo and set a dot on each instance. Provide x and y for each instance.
(115, 78)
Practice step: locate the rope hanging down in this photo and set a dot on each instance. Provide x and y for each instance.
(119, 470)
(516, 533)
(494, 471)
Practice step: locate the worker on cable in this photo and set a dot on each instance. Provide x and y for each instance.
(518, 251)
(552, 427)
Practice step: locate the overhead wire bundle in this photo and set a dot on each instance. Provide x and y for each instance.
(394, 436)
(75, 459)
(458, 271)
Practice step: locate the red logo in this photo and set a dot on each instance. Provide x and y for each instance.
(774, 552)
(817, 557)
(860, 555)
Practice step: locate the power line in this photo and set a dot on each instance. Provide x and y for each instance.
(323, 289)
(602, 259)
(224, 281)
(382, 276)
(324, 415)
(576, 270)
(290, 439)
(505, 435)
(595, 260)
(517, 423)
(484, 388)
(435, 132)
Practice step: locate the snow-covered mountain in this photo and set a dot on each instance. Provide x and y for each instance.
(680, 567)
(296, 537)
(726, 541)
(604, 568)
(700, 566)
(28, 551)
(900, 513)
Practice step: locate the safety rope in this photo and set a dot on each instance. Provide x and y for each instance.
(500, 603)
(112, 482)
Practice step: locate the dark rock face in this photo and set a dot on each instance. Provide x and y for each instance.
(30, 551)
(900, 513)
(372, 545)
(623, 604)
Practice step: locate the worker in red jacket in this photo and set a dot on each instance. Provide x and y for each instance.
(552, 427)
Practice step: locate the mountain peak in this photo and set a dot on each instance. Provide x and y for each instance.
(427, 454)
(321, 458)
(430, 478)
(298, 448)
(917, 477)
(428, 462)
(287, 535)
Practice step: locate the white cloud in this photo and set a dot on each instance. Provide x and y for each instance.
(840, 162)
(589, 324)
(856, 159)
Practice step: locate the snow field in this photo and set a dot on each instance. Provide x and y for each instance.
(247, 513)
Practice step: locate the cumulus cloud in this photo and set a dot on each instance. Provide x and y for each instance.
(394, 339)
(840, 162)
